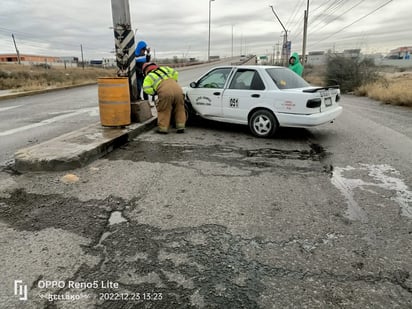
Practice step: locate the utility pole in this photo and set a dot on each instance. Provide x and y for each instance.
(305, 32)
(285, 39)
(241, 43)
(208, 42)
(272, 62)
(277, 53)
(232, 41)
(125, 44)
(17, 51)
(81, 51)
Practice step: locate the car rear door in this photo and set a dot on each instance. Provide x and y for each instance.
(245, 90)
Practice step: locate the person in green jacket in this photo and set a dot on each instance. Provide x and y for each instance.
(295, 65)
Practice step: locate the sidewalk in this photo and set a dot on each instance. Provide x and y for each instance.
(78, 148)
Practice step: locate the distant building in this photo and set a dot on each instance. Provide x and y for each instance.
(316, 58)
(27, 58)
(400, 53)
(352, 53)
(37, 59)
(398, 57)
(109, 62)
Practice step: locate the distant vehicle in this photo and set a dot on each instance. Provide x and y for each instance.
(262, 97)
(263, 59)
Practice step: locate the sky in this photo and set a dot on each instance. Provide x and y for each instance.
(180, 28)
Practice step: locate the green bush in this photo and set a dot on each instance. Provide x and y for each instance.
(350, 73)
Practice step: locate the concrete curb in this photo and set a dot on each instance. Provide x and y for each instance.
(78, 148)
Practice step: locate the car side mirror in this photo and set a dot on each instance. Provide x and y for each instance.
(193, 85)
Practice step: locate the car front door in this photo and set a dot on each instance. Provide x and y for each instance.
(245, 90)
(206, 97)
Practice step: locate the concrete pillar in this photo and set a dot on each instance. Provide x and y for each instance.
(124, 44)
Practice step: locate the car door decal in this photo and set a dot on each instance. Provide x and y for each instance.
(234, 102)
(206, 101)
(288, 105)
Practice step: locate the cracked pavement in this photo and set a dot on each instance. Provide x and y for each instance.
(213, 218)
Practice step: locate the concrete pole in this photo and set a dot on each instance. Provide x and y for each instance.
(285, 38)
(305, 32)
(124, 44)
(17, 50)
(81, 52)
(232, 41)
(208, 42)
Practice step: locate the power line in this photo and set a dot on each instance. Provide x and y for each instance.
(294, 18)
(354, 22)
(326, 14)
(319, 6)
(331, 18)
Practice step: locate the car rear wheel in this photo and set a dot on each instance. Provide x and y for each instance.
(262, 123)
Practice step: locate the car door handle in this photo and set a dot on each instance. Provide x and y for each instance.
(216, 93)
(255, 95)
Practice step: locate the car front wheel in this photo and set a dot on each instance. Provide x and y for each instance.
(262, 123)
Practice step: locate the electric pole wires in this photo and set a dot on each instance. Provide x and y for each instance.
(354, 22)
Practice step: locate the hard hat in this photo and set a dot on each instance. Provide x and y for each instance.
(148, 67)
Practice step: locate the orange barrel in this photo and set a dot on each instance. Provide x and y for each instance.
(114, 101)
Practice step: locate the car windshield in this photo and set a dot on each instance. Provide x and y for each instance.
(285, 78)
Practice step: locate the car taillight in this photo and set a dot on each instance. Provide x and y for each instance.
(313, 103)
(337, 98)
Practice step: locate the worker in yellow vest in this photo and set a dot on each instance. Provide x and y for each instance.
(162, 81)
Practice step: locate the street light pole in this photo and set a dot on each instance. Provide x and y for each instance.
(285, 37)
(210, 14)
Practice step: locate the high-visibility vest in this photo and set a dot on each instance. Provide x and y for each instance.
(154, 78)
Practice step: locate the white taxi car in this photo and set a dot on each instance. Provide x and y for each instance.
(262, 97)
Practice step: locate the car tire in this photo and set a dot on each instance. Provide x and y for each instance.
(263, 123)
(190, 113)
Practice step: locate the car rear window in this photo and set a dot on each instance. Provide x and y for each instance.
(285, 78)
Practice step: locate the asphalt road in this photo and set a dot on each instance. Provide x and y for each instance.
(29, 120)
(215, 218)
(26, 121)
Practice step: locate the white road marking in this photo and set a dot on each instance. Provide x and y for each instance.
(385, 177)
(90, 110)
(7, 108)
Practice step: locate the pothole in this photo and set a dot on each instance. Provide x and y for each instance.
(116, 217)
